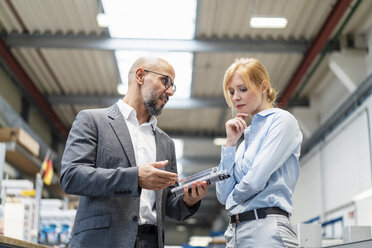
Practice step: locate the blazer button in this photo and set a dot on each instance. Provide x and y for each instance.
(135, 218)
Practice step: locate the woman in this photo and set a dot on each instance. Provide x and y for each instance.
(265, 167)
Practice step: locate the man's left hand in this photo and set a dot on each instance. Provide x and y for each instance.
(198, 191)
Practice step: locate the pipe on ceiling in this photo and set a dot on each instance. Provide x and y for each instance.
(321, 39)
(328, 48)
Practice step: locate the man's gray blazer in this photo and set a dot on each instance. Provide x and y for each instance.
(99, 165)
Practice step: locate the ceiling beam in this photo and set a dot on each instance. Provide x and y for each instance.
(173, 103)
(317, 45)
(12, 63)
(195, 45)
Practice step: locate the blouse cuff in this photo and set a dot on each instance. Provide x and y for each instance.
(228, 154)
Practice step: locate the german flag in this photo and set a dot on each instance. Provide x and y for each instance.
(47, 170)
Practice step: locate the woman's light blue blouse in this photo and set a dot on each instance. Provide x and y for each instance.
(265, 167)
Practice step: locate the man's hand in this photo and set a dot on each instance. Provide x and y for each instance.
(150, 177)
(198, 191)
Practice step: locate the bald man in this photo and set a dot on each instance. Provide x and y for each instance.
(123, 166)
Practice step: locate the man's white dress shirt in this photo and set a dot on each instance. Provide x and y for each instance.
(143, 140)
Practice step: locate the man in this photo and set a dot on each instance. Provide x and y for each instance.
(110, 161)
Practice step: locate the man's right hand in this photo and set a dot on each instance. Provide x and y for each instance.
(151, 177)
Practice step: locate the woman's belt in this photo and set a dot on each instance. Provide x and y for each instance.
(256, 214)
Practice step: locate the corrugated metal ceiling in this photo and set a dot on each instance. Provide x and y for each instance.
(57, 16)
(210, 68)
(70, 71)
(91, 72)
(230, 19)
(66, 71)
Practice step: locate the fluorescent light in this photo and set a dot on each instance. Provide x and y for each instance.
(162, 19)
(181, 62)
(363, 195)
(219, 141)
(104, 20)
(268, 22)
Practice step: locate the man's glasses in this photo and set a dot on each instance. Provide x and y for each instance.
(167, 80)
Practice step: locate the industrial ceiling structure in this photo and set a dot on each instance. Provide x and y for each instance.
(64, 62)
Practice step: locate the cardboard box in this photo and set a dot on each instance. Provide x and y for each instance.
(21, 137)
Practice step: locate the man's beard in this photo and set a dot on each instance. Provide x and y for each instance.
(151, 104)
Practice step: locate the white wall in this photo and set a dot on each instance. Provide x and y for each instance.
(307, 198)
(346, 161)
(335, 171)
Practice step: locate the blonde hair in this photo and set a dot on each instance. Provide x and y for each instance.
(253, 73)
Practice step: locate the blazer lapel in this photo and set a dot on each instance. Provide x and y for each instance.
(121, 130)
(160, 155)
(160, 146)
